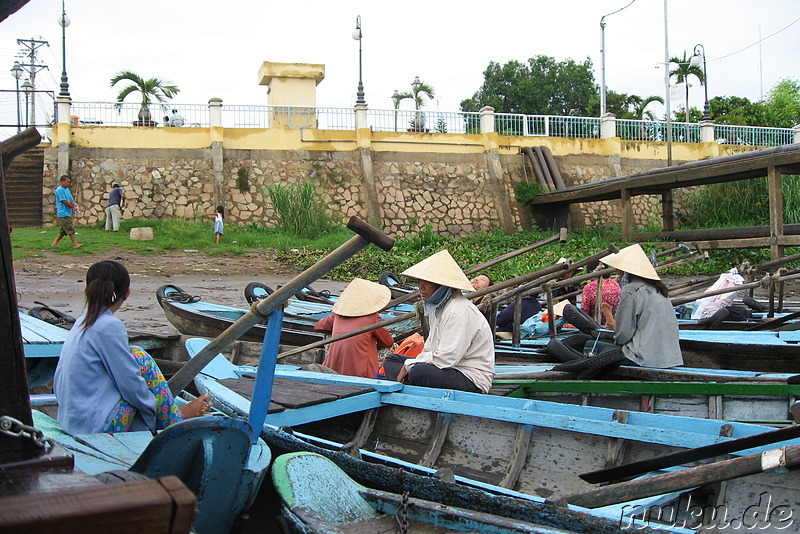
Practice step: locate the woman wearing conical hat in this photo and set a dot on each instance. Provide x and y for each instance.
(645, 324)
(357, 307)
(459, 350)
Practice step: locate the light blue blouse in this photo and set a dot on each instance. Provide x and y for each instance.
(94, 371)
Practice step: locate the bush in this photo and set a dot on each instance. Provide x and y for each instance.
(299, 212)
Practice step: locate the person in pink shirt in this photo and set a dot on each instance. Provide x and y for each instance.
(611, 294)
(357, 307)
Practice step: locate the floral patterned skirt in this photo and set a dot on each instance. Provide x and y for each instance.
(167, 411)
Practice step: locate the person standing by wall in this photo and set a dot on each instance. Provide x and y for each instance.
(219, 225)
(116, 201)
(65, 207)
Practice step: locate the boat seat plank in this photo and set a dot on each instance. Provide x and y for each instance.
(244, 387)
(291, 394)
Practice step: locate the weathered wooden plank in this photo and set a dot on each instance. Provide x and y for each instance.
(688, 478)
(439, 434)
(519, 454)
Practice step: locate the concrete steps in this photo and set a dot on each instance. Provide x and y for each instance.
(23, 186)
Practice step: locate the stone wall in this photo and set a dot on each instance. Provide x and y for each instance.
(452, 192)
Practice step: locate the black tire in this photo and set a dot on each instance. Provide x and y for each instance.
(752, 303)
(255, 291)
(581, 320)
(609, 359)
(577, 341)
(561, 352)
(715, 319)
(52, 316)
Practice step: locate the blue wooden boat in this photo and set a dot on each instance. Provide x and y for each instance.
(532, 448)
(760, 350)
(42, 344)
(746, 396)
(318, 496)
(201, 318)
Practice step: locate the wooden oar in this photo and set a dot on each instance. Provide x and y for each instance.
(366, 234)
(770, 323)
(686, 478)
(624, 472)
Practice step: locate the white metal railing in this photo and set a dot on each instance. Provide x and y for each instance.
(547, 125)
(419, 121)
(753, 135)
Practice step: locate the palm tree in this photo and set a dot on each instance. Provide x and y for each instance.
(151, 89)
(640, 106)
(418, 90)
(682, 73)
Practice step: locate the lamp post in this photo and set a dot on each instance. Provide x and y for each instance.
(63, 21)
(699, 50)
(357, 36)
(419, 120)
(16, 71)
(27, 88)
(396, 99)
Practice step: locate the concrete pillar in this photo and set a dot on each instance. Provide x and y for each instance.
(707, 131)
(796, 133)
(62, 133)
(487, 119)
(361, 116)
(217, 154)
(608, 126)
(215, 112)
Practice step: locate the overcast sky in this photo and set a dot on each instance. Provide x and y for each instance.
(214, 49)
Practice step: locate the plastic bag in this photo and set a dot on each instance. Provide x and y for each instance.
(708, 306)
(538, 325)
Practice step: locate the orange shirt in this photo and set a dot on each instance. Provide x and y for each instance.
(356, 355)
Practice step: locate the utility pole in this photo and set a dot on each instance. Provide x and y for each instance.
(32, 45)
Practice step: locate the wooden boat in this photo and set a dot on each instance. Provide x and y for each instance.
(317, 496)
(763, 351)
(212, 455)
(42, 344)
(761, 398)
(534, 448)
(201, 318)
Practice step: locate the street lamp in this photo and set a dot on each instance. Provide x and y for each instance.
(16, 71)
(27, 88)
(396, 98)
(695, 62)
(63, 21)
(419, 121)
(357, 36)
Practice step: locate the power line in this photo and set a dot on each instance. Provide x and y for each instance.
(757, 42)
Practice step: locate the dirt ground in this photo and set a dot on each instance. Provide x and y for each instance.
(58, 281)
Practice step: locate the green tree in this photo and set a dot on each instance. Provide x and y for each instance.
(540, 86)
(738, 110)
(783, 104)
(150, 89)
(682, 73)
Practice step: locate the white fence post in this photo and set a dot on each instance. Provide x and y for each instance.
(214, 112)
(361, 116)
(487, 119)
(608, 126)
(707, 132)
(796, 129)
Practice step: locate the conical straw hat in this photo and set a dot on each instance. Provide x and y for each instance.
(632, 260)
(362, 297)
(440, 269)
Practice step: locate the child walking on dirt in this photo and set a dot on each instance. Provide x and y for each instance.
(218, 216)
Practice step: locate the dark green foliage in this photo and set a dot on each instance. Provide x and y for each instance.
(540, 86)
(242, 180)
(527, 191)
